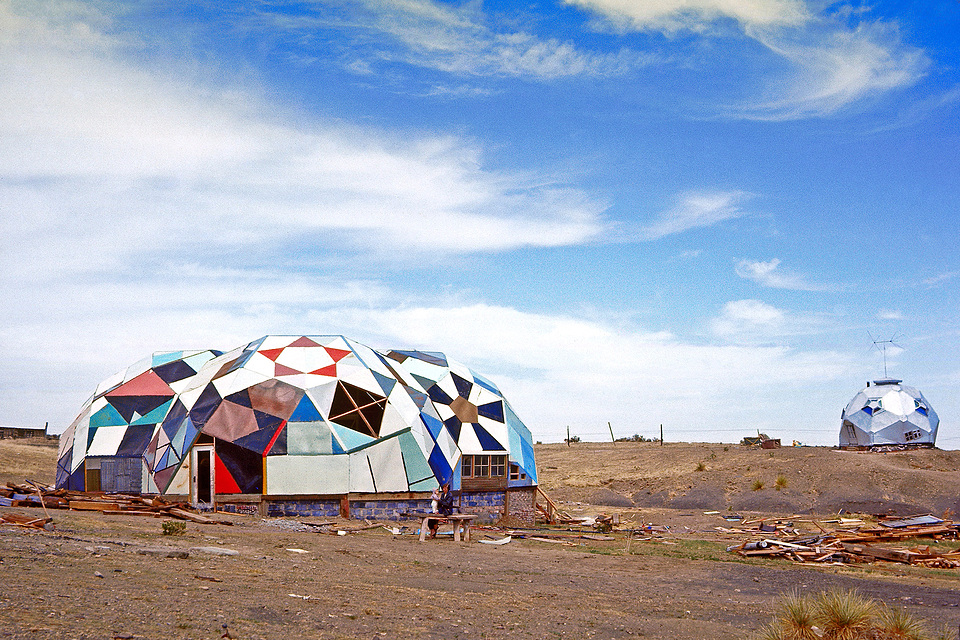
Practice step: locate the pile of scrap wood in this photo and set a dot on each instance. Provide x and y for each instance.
(33, 494)
(17, 520)
(855, 544)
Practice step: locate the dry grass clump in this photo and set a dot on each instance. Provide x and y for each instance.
(843, 615)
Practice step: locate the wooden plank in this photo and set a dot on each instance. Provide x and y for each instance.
(893, 555)
(192, 517)
(93, 505)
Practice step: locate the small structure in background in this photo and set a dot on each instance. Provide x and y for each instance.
(887, 414)
(24, 432)
(762, 440)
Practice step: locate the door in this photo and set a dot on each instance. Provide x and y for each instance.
(202, 477)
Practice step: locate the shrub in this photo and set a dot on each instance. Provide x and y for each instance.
(701, 466)
(174, 527)
(842, 615)
(781, 482)
(757, 485)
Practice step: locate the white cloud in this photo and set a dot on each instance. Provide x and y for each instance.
(103, 161)
(696, 15)
(890, 314)
(556, 370)
(748, 317)
(696, 210)
(768, 274)
(829, 65)
(456, 39)
(834, 70)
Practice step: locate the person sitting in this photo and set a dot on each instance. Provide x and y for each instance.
(444, 507)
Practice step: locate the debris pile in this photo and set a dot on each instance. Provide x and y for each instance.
(33, 494)
(18, 520)
(854, 541)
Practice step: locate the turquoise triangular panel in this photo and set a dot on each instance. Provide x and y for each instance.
(156, 416)
(107, 417)
(351, 439)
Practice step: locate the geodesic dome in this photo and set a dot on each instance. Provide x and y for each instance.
(117, 422)
(290, 415)
(888, 413)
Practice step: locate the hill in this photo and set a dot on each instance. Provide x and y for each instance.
(701, 476)
(719, 477)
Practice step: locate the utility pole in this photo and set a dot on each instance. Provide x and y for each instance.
(661, 434)
(612, 439)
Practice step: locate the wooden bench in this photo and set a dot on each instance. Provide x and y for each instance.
(460, 521)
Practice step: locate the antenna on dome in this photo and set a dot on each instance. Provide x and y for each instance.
(881, 346)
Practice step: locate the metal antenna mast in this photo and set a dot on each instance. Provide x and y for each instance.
(881, 346)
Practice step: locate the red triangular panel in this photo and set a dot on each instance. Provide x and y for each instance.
(329, 370)
(147, 383)
(281, 370)
(303, 342)
(222, 480)
(337, 354)
(273, 354)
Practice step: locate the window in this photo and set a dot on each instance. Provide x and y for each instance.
(911, 435)
(483, 466)
(516, 473)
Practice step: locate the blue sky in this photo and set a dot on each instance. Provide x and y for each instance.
(695, 213)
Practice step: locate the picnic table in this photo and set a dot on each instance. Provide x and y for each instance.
(460, 521)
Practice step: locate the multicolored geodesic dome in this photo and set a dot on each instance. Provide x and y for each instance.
(295, 415)
(888, 413)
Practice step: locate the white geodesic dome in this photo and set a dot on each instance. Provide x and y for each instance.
(887, 412)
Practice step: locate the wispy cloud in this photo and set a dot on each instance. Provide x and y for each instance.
(697, 15)
(457, 39)
(139, 164)
(769, 274)
(696, 210)
(829, 64)
(889, 314)
(940, 278)
(834, 70)
(754, 322)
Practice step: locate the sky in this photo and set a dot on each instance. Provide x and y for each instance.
(700, 214)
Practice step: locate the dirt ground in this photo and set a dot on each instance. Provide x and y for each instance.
(98, 576)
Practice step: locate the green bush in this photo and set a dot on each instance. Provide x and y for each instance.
(174, 527)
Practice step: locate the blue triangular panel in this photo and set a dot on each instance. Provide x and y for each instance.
(486, 384)
(439, 395)
(305, 411)
(433, 425)
(463, 386)
(492, 410)
(386, 383)
(487, 441)
(440, 466)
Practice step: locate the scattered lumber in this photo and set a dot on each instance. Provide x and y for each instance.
(17, 520)
(856, 544)
(34, 494)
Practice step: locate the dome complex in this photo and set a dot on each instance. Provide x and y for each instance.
(294, 416)
(887, 412)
